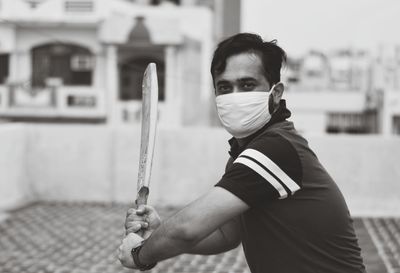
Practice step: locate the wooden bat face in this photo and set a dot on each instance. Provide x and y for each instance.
(148, 131)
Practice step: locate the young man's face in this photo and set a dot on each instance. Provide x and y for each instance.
(243, 73)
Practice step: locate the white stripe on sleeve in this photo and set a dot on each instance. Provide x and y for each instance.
(270, 165)
(255, 167)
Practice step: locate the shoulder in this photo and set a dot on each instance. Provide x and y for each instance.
(275, 158)
(269, 168)
(275, 146)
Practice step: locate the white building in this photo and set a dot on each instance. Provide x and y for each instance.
(83, 60)
(346, 91)
(315, 71)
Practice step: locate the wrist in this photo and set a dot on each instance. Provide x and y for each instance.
(135, 255)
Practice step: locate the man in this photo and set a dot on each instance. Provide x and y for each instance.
(275, 197)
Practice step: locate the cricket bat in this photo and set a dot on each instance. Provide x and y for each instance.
(148, 132)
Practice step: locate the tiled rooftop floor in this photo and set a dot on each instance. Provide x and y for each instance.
(83, 238)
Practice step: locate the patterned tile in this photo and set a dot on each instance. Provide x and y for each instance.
(56, 237)
(385, 233)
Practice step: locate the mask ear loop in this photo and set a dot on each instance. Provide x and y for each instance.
(273, 86)
(270, 91)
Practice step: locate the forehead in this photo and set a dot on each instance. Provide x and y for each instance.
(243, 65)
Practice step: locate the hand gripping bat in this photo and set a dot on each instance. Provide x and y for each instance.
(148, 132)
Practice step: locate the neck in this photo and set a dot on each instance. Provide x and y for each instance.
(241, 141)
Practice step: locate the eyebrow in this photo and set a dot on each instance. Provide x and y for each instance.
(246, 79)
(222, 82)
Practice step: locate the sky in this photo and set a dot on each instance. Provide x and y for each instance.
(300, 25)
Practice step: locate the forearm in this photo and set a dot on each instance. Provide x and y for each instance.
(221, 240)
(183, 232)
(166, 242)
(215, 243)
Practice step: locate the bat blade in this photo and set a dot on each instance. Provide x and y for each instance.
(148, 132)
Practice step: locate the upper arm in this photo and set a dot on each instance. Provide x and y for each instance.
(230, 231)
(207, 214)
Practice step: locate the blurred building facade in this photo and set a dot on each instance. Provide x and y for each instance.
(83, 60)
(345, 91)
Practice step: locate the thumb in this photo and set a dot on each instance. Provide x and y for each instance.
(142, 209)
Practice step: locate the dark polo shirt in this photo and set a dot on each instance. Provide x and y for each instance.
(298, 221)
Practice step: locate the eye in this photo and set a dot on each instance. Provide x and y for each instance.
(224, 89)
(248, 86)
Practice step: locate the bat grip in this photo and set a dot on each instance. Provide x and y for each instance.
(142, 200)
(142, 196)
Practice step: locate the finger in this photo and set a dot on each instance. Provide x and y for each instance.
(135, 218)
(136, 225)
(133, 226)
(133, 238)
(136, 230)
(130, 211)
(141, 210)
(130, 230)
(144, 209)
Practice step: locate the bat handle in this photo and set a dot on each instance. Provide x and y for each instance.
(142, 196)
(142, 200)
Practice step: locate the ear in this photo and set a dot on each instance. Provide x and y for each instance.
(277, 92)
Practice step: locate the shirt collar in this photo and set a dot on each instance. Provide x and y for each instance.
(280, 115)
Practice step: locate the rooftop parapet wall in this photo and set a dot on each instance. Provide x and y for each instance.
(99, 163)
(15, 185)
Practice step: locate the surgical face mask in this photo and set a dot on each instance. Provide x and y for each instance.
(243, 113)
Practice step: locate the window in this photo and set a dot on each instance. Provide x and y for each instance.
(158, 2)
(131, 76)
(4, 67)
(352, 123)
(396, 125)
(34, 3)
(72, 64)
(79, 6)
(314, 73)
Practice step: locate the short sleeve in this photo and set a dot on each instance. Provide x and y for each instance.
(268, 169)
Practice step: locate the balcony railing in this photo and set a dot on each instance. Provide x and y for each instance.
(52, 101)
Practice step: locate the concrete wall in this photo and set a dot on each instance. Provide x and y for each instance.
(70, 162)
(99, 163)
(190, 162)
(366, 170)
(15, 185)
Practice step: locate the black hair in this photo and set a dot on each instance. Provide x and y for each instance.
(272, 56)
